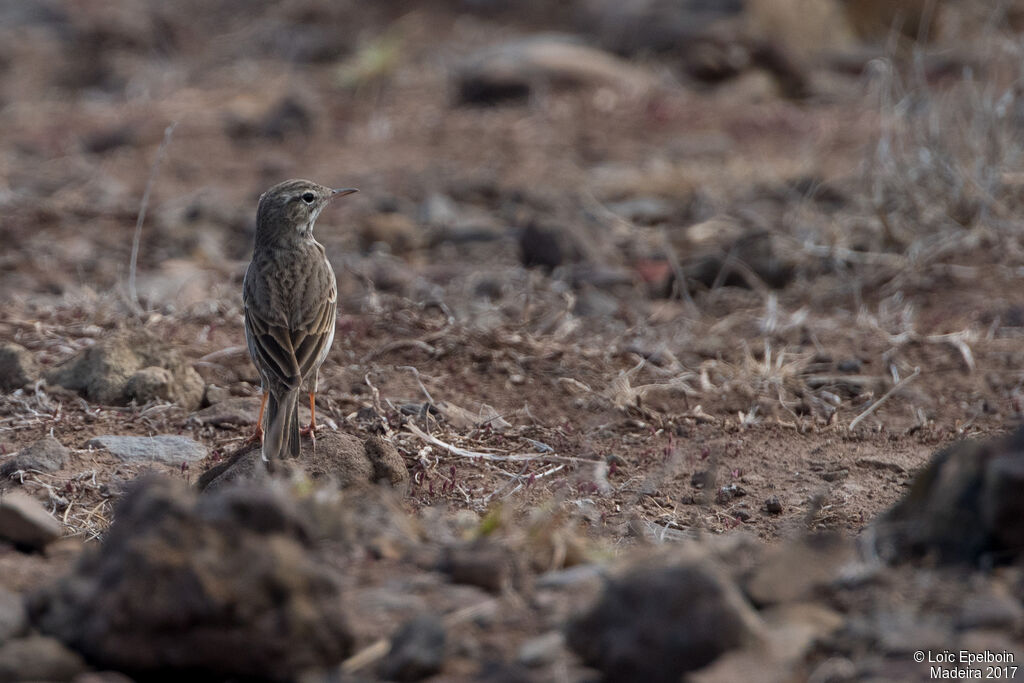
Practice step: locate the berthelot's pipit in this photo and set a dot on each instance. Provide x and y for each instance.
(290, 299)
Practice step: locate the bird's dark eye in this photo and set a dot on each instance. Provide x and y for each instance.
(309, 197)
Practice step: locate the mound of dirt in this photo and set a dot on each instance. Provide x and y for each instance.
(340, 457)
(228, 585)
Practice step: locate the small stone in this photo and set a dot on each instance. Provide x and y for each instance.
(849, 365)
(417, 650)
(773, 506)
(485, 565)
(546, 246)
(542, 650)
(215, 394)
(25, 522)
(45, 455)
(835, 475)
(39, 658)
(439, 210)
(13, 619)
(150, 384)
(17, 367)
(167, 449)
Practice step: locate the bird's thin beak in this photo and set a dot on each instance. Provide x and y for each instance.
(342, 192)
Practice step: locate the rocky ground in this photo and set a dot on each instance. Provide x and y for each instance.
(651, 320)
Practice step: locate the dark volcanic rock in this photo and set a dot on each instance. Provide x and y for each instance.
(17, 367)
(965, 505)
(417, 650)
(109, 372)
(45, 455)
(657, 623)
(227, 585)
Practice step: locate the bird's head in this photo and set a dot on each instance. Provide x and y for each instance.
(289, 209)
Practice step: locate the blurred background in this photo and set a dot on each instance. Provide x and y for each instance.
(688, 181)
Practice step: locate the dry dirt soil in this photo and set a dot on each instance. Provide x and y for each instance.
(663, 300)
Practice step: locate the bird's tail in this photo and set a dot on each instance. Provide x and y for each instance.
(281, 437)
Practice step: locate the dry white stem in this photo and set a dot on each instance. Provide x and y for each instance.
(885, 397)
(416, 374)
(465, 453)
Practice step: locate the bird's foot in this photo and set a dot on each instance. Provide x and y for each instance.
(310, 430)
(255, 437)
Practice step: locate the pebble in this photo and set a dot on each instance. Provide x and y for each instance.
(25, 522)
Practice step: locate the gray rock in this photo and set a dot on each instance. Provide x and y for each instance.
(39, 658)
(168, 449)
(417, 650)
(542, 650)
(107, 373)
(25, 522)
(439, 210)
(268, 608)
(659, 622)
(17, 367)
(13, 619)
(46, 455)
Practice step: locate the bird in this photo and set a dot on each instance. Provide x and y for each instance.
(289, 303)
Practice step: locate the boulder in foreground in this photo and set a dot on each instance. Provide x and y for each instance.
(228, 585)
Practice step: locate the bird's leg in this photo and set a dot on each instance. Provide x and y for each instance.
(257, 434)
(310, 429)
